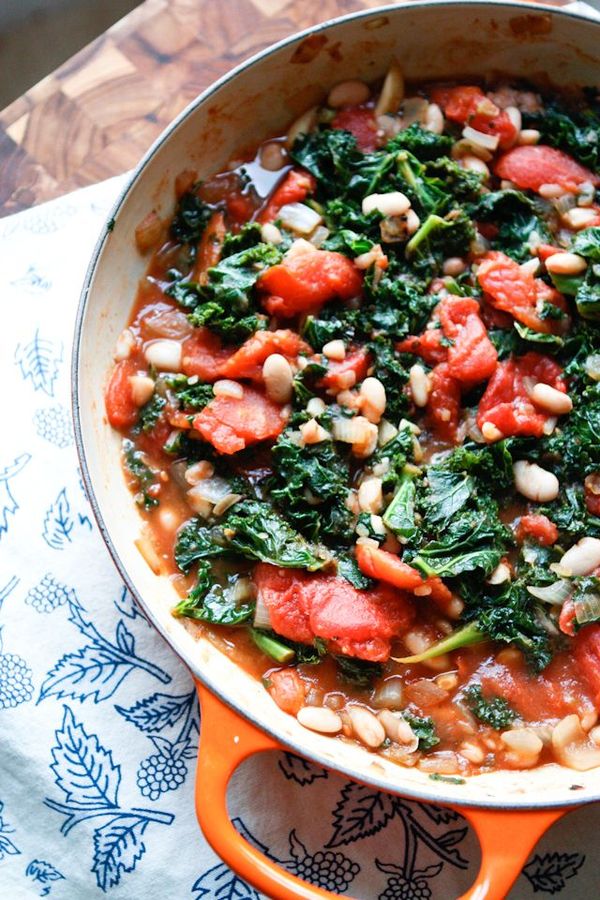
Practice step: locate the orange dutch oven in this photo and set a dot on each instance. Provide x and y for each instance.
(508, 810)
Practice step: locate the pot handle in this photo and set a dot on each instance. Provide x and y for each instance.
(227, 739)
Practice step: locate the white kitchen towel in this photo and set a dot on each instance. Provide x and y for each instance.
(98, 718)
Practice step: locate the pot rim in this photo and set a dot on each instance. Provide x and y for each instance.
(406, 790)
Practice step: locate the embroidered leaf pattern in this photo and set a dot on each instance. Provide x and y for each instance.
(84, 771)
(157, 711)
(42, 871)
(550, 873)
(361, 812)
(8, 504)
(58, 522)
(118, 846)
(39, 361)
(7, 847)
(300, 770)
(220, 883)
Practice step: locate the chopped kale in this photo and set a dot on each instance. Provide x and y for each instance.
(150, 413)
(190, 393)
(191, 218)
(424, 729)
(493, 711)
(439, 238)
(209, 601)
(576, 132)
(425, 145)
(358, 672)
(145, 477)
(517, 220)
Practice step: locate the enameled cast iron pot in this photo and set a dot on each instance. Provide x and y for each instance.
(509, 810)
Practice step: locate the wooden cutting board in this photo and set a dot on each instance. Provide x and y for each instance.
(97, 114)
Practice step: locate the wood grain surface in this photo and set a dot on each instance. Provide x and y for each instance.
(96, 115)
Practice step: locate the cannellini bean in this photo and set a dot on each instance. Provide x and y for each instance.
(566, 264)
(366, 727)
(524, 747)
(304, 124)
(370, 495)
(535, 483)
(528, 136)
(573, 747)
(124, 346)
(271, 234)
(348, 93)
(555, 401)
(278, 377)
(164, 355)
(434, 119)
(375, 254)
(320, 718)
(225, 387)
(272, 156)
(417, 641)
(142, 388)
(490, 432)
(454, 265)
(413, 222)
(420, 386)
(394, 203)
(472, 752)
(551, 190)
(474, 164)
(392, 92)
(334, 350)
(514, 114)
(579, 217)
(500, 574)
(582, 558)
(313, 433)
(398, 730)
(387, 432)
(372, 399)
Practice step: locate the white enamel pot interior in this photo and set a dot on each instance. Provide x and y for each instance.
(257, 100)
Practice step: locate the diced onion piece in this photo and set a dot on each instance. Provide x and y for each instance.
(392, 91)
(262, 618)
(592, 366)
(554, 594)
(299, 218)
(211, 489)
(587, 607)
(480, 139)
(304, 124)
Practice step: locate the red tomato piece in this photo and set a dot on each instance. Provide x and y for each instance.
(531, 166)
(567, 618)
(360, 121)
(388, 567)
(511, 289)
(247, 361)
(428, 346)
(539, 527)
(357, 623)
(118, 397)
(592, 498)
(287, 690)
(544, 251)
(443, 406)
(468, 105)
(304, 283)
(506, 402)
(294, 188)
(345, 373)
(230, 423)
(203, 355)
(587, 654)
(472, 357)
(241, 207)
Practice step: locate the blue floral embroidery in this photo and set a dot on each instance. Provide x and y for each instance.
(127, 606)
(220, 883)
(7, 847)
(39, 361)
(8, 588)
(32, 282)
(550, 873)
(165, 770)
(300, 770)
(16, 686)
(8, 504)
(360, 812)
(45, 873)
(89, 779)
(54, 424)
(49, 594)
(58, 522)
(328, 870)
(99, 667)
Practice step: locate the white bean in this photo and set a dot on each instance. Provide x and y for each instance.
(474, 164)
(419, 385)
(500, 574)
(413, 222)
(434, 119)
(454, 265)
(524, 746)
(320, 718)
(579, 217)
(367, 727)
(372, 399)
(550, 190)
(392, 92)
(124, 346)
(566, 264)
(491, 433)
(398, 730)
(313, 433)
(551, 399)
(370, 495)
(348, 93)
(142, 388)
(164, 355)
(514, 114)
(272, 156)
(315, 406)
(582, 558)
(271, 234)
(394, 203)
(225, 387)
(528, 136)
(535, 483)
(278, 377)
(335, 350)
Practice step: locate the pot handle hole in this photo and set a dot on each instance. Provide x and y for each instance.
(226, 740)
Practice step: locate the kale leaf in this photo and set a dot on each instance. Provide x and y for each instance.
(493, 711)
(190, 393)
(439, 238)
(578, 133)
(209, 601)
(425, 145)
(517, 220)
(144, 476)
(359, 672)
(150, 413)
(191, 218)
(424, 729)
